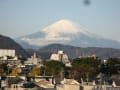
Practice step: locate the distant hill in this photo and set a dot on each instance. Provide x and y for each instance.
(74, 52)
(46, 51)
(8, 43)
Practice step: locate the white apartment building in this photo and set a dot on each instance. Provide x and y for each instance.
(60, 56)
(8, 56)
(7, 52)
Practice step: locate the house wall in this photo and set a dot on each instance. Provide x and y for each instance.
(71, 87)
(7, 52)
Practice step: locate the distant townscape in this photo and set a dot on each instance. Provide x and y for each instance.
(58, 67)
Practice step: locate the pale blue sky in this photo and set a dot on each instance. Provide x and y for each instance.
(22, 17)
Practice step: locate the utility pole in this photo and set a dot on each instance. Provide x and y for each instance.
(87, 77)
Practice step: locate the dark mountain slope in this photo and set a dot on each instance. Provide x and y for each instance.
(8, 43)
(77, 51)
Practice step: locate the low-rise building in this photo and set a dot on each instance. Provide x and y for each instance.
(88, 56)
(10, 60)
(7, 52)
(33, 60)
(8, 56)
(45, 84)
(68, 84)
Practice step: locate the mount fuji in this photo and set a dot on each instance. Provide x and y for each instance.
(68, 33)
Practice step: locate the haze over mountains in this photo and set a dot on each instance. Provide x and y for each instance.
(68, 33)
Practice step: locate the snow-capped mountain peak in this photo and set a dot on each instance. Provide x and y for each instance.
(67, 32)
(61, 31)
(64, 26)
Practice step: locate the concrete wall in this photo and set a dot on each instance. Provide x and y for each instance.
(71, 87)
(87, 87)
(68, 87)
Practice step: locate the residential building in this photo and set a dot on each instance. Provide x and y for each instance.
(8, 56)
(60, 56)
(33, 60)
(46, 85)
(68, 84)
(7, 52)
(88, 56)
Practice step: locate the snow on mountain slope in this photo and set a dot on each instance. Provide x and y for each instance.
(67, 32)
(61, 31)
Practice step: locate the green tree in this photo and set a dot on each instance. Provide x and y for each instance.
(3, 69)
(52, 68)
(85, 68)
(114, 65)
(2, 72)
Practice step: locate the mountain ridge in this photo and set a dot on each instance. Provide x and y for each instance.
(74, 52)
